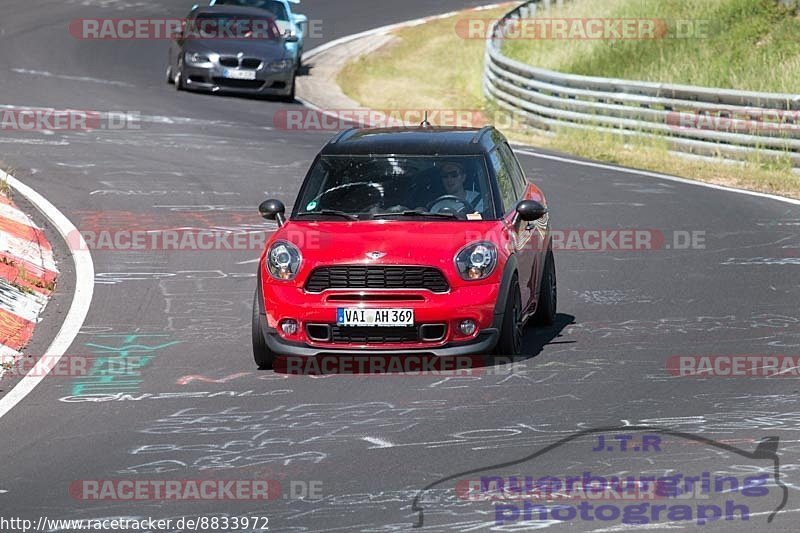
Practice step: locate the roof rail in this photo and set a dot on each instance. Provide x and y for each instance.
(480, 133)
(341, 136)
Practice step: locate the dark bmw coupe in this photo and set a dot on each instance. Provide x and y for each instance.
(234, 50)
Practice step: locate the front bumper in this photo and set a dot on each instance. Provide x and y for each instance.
(287, 302)
(483, 344)
(213, 79)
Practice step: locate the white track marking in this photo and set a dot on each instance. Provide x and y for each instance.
(380, 443)
(81, 300)
(387, 29)
(656, 175)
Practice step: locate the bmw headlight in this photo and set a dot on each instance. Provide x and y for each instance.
(283, 260)
(283, 64)
(476, 261)
(197, 59)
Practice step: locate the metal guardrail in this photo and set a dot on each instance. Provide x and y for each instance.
(699, 120)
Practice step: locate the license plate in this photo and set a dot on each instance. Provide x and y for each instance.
(239, 74)
(356, 316)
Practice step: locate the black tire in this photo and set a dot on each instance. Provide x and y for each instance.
(548, 294)
(290, 97)
(510, 342)
(178, 79)
(264, 357)
(170, 81)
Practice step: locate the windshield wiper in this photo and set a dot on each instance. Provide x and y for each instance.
(415, 213)
(330, 212)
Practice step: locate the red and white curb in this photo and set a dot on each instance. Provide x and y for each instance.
(81, 297)
(27, 277)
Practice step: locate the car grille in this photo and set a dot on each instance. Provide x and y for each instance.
(238, 84)
(251, 62)
(376, 335)
(377, 277)
(245, 62)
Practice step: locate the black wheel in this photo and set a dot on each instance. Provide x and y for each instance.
(170, 80)
(548, 294)
(263, 356)
(290, 97)
(510, 342)
(177, 78)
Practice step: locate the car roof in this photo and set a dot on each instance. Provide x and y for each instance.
(234, 10)
(414, 141)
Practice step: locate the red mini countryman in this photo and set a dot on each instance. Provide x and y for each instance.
(406, 241)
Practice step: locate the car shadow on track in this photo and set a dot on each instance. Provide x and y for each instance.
(535, 338)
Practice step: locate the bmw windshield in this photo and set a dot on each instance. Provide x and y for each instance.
(393, 187)
(231, 26)
(275, 7)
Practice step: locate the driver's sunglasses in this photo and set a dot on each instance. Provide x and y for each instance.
(452, 174)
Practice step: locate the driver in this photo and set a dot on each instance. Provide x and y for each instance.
(453, 177)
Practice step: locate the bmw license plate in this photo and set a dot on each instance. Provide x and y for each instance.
(239, 74)
(356, 316)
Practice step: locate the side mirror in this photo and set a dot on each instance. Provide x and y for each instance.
(530, 210)
(273, 210)
(300, 19)
(290, 38)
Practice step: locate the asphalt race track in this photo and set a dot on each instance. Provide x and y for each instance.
(362, 447)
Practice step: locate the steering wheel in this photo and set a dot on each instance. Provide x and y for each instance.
(450, 198)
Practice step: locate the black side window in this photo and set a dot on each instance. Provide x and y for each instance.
(504, 181)
(517, 176)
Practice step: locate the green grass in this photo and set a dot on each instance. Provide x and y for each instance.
(431, 67)
(5, 188)
(748, 44)
(425, 65)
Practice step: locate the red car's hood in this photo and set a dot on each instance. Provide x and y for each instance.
(403, 242)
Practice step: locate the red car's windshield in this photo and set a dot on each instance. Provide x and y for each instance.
(370, 187)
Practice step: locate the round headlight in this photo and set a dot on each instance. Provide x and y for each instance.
(476, 261)
(283, 260)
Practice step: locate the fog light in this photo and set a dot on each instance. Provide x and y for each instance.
(289, 327)
(467, 327)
